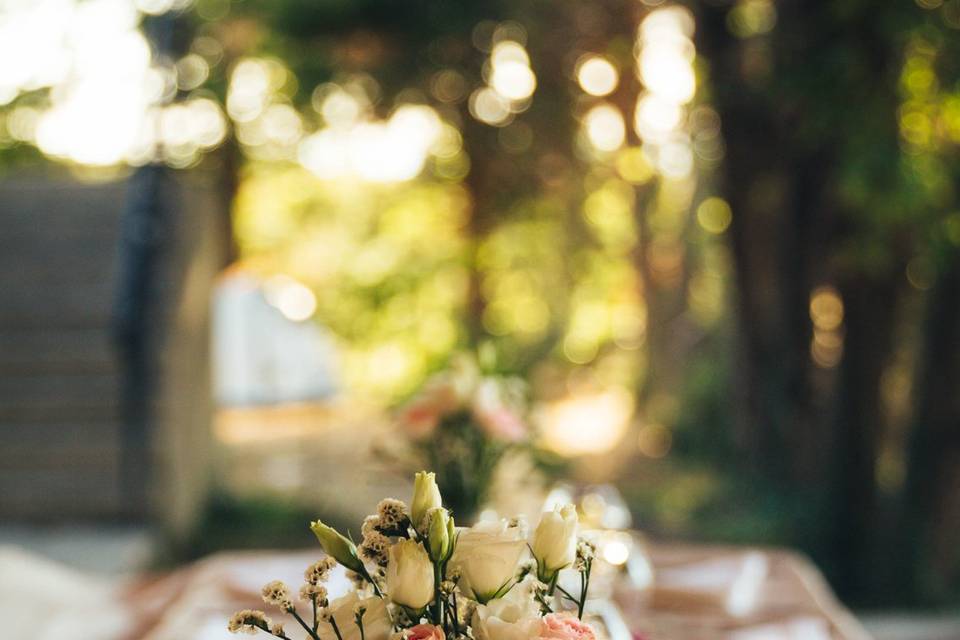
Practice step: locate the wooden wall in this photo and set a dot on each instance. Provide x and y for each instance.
(60, 382)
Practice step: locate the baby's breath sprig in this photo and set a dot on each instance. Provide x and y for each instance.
(540, 591)
(583, 564)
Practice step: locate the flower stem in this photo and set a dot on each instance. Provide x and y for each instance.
(453, 611)
(376, 589)
(303, 624)
(437, 606)
(336, 629)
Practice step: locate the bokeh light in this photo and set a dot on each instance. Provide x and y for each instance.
(604, 127)
(714, 215)
(588, 423)
(597, 76)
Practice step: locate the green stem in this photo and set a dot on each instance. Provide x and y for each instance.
(567, 594)
(369, 578)
(303, 624)
(437, 607)
(453, 610)
(336, 629)
(543, 603)
(583, 595)
(553, 583)
(585, 587)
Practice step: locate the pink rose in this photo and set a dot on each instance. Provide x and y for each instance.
(565, 626)
(501, 424)
(421, 417)
(495, 416)
(419, 420)
(425, 632)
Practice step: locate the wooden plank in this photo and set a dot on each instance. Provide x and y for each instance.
(76, 457)
(29, 352)
(84, 410)
(59, 494)
(37, 434)
(58, 388)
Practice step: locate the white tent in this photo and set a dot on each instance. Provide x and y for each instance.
(261, 356)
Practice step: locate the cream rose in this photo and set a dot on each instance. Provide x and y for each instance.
(487, 556)
(410, 575)
(514, 617)
(555, 541)
(376, 620)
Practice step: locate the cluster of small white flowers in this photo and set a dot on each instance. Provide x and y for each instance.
(310, 592)
(374, 548)
(586, 550)
(248, 621)
(525, 568)
(392, 514)
(277, 593)
(277, 629)
(319, 571)
(520, 524)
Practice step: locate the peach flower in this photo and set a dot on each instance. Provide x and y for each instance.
(495, 416)
(565, 626)
(420, 418)
(424, 632)
(502, 424)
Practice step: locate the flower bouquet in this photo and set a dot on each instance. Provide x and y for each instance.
(461, 424)
(417, 576)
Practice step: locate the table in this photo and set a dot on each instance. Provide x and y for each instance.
(700, 592)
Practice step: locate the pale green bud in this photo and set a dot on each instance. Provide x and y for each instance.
(441, 536)
(426, 497)
(337, 546)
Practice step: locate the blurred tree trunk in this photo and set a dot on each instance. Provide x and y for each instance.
(775, 189)
(929, 557)
(789, 151)
(869, 312)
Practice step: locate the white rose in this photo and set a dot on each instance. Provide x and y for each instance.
(410, 575)
(555, 541)
(426, 497)
(376, 620)
(487, 556)
(514, 617)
